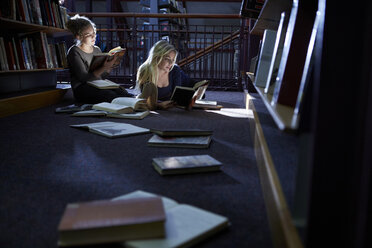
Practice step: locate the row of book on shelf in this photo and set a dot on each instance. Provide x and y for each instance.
(31, 51)
(41, 12)
(283, 64)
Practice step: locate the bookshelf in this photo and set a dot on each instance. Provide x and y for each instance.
(30, 56)
(331, 197)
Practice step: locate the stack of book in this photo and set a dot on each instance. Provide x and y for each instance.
(139, 220)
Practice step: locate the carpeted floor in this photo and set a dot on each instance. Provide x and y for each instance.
(45, 164)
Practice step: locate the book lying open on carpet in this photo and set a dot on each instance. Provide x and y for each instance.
(186, 96)
(170, 132)
(186, 225)
(73, 108)
(112, 129)
(134, 115)
(99, 59)
(185, 164)
(122, 105)
(108, 221)
(180, 141)
(103, 84)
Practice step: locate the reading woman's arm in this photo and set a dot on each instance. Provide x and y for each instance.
(79, 66)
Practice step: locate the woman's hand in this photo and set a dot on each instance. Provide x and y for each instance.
(166, 104)
(107, 66)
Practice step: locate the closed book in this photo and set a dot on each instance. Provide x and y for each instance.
(185, 164)
(103, 84)
(93, 112)
(108, 221)
(186, 225)
(180, 141)
(170, 132)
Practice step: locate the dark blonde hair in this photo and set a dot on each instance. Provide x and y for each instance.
(148, 72)
(77, 24)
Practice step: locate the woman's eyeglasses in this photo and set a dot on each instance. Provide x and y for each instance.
(92, 35)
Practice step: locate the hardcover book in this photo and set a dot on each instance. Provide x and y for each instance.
(183, 141)
(108, 221)
(186, 96)
(99, 59)
(122, 105)
(186, 225)
(185, 164)
(112, 129)
(171, 132)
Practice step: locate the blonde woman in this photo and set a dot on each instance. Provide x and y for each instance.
(159, 75)
(79, 57)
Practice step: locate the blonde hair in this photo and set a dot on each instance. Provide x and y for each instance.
(77, 24)
(148, 71)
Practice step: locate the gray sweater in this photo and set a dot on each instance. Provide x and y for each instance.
(79, 62)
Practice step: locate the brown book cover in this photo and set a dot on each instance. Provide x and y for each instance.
(107, 221)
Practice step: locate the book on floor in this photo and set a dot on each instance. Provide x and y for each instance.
(73, 108)
(99, 59)
(186, 96)
(107, 221)
(112, 129)
(207, 105)
(122, 105)
(103, 84)
(185, 225)
(185, 164)
(171, 132)
(180, 141)
(139, 115)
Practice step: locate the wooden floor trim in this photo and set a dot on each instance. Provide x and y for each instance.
(19, 104)
(284, 233)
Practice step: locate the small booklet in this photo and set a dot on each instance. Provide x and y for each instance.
(99, 59)
(108, 221)
(184, 141)
(122, 105)
(171, 132)
(186, 96)
(185, 225)
(134, 115)
(205, 104)
(185, 164)
(112, 129)
(103, 84)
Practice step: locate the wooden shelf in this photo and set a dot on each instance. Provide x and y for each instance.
(33, 70)
(270, 15)
(282, 115)
(25, 27)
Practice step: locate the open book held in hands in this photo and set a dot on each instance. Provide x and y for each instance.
(107, 221)
(122, 105)
(99, 59)
(186, 96)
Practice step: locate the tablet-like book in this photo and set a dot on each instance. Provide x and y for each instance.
(122, 105)
(186, 225)
(171, 132)
(134, 115)
(99, 59)
(112, 129)
(186, 96)
(183, 141)
(103, 84)
(107, 221)
(185, 164)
